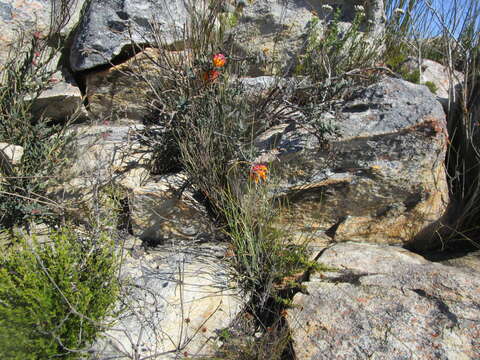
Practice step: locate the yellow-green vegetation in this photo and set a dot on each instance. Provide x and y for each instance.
(57, 289)
(55, 295)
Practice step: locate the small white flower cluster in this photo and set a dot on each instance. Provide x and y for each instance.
(359, 8)
(399, 11)
(327, 8)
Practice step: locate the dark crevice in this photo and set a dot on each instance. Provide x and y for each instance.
(451, 250)
(333, 229)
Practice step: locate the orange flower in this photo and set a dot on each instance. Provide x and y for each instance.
(258, 172)
(219, 60)
(211, 75)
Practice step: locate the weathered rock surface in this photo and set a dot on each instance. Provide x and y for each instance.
(438, 74)
(386, 303)
(276, 31)
(30, 16)
(464, 260)
(12, 153)
(267, 26)
(121, 92)
(105, 150)
(110, 25)
(62, 100)
(161, 209)
(382, 180)
(164, 209)
(177, 300)
(105, 154)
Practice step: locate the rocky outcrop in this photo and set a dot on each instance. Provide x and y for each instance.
(21, 22)
(60, 101)
(110, 26)
(438, 75)
(175, 303)
(105, 155)
(164, 209)
(266, 28)
(383, 302)
(161, 209)
(122, 91)
(382, 180)
(30, 16)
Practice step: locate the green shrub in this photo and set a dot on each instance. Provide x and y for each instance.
(412, 76)
(331, 52)
(431, 86)
(54, 296)
(47, 146)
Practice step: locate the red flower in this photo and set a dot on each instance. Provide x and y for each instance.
(211, 75)
(258, 172)
(219, 60)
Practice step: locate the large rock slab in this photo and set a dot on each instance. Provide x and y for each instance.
(105, 155)
(382, 180)
(175, 302)
(160, 209)
(386, 303)
(109, 26)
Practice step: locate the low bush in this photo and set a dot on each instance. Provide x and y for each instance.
(331, 51)
(47, 146)
(55, 295)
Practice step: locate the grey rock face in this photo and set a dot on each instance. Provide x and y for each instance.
(11, 153)
(175, 301)
(433, 72)
(164, 209)
(382, 180)
(60, 101)
(386, 303)
(29, 16)
(110, 25)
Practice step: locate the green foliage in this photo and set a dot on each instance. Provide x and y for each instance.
(331, 51)
(412, 76)
(53, 296)
(47, 146)
(431, 86)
